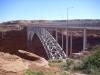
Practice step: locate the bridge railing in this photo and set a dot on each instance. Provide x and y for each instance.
(64, 25)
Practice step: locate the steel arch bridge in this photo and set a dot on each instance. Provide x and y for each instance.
(50, 44)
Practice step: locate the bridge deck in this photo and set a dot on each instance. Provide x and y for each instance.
(90, 27)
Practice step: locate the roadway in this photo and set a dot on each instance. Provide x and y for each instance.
(70, 26)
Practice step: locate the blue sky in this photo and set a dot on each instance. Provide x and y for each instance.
(48, 9)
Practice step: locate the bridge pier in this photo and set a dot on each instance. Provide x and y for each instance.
(30, 35)
(62, 39)
(56, 35)
(84, 39)
(67, 42)
(71, 42)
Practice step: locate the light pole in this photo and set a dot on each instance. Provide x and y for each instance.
(67, 31)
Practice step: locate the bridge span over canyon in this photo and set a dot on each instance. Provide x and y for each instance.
(50, 44)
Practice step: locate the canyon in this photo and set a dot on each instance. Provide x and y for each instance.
(14, 40)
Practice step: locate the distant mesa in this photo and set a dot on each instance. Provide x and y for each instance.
(76, 21)
(25, 22)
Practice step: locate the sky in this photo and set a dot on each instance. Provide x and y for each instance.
(49, 9)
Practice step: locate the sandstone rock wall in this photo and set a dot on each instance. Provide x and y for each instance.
(13, 40)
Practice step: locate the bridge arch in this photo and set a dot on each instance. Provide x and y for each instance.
(52, 48)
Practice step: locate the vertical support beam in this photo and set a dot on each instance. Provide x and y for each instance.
(30, 34)
(71, 42)
(62, 38)
(67, 42)
(84, 39)
(29, 40)
(56, 35)
(3, 34)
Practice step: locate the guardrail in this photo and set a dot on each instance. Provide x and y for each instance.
(73, 26)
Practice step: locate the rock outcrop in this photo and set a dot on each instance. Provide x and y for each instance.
(15, 65)
(11, 64)
(39, 61)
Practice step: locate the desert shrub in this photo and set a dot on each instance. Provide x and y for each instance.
(68, 64)
(40, 73)
(56, 60)
(64, 73)
(96, 48)
(28, 72)
(90, 64)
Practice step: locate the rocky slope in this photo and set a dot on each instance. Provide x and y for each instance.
(15, 65)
